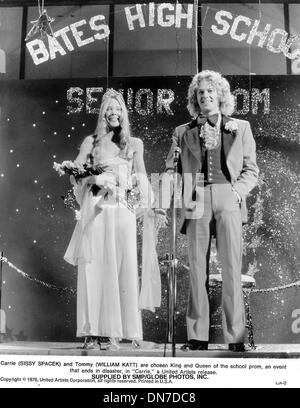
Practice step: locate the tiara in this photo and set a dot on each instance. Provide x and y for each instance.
(112, 93)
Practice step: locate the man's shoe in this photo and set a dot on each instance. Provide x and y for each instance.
(194, 345)
(237, 347)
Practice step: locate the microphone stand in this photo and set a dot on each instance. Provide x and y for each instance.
(1, 264)
(172, 261)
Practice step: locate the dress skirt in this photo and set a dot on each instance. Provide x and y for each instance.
(104, 249)
(107, 284)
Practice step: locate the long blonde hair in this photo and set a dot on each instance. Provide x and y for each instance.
(122, 134)
(220, 84)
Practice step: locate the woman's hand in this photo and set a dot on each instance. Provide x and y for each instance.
(90, 180)
(73, 180)
(160, 220)
(139, 212)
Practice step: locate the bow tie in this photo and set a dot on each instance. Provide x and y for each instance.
(212, 119)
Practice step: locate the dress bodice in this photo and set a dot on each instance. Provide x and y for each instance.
(116, 168)
(114, 161)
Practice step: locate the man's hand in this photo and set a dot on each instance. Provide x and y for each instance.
(239, 198)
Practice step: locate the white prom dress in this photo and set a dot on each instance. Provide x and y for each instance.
(104, 247)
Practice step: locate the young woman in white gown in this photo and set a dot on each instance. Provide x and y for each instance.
(103, 245)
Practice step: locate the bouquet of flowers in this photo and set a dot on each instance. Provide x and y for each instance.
(77, 170)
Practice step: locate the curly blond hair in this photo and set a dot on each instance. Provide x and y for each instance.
(222, 87)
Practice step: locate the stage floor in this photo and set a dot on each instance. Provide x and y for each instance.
(147, 349)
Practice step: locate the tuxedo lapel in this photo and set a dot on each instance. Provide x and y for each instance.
(192, 138)
(192, 141)
(228, 137)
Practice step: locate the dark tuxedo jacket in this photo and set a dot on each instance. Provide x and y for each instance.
(240, 154)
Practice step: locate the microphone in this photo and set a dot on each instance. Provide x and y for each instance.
(176, 154)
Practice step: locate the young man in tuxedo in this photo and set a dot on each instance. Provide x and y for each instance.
(221, 152)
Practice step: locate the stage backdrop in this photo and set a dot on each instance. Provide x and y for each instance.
(43, 121)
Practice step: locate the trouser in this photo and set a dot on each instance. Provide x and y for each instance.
(220, 206)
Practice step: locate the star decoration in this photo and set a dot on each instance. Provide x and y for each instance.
(42, 25)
